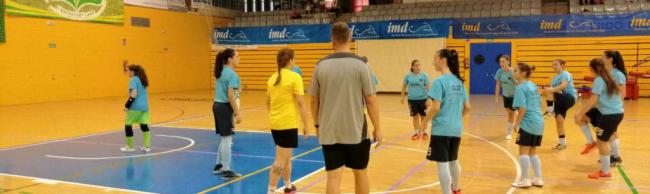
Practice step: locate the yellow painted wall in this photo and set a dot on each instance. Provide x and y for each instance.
(87, 60)
(576, 51)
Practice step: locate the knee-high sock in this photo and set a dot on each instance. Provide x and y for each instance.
(604, 163)
(454, 167)
(587, 132)
(445, 177)
(615, 147)
(537, 165)
(225, 149)
(524, 160)
(146, 134)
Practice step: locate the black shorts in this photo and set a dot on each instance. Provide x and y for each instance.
(563, 102)
(285, 138)
(507, 102)
(594, 115)
(354, 156)
(608, 125)
(418, 107)
(443, 148)
(527, 139)
(223, 118)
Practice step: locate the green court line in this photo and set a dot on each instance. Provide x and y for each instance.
(627, 180)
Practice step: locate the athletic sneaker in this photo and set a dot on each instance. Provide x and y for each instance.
(615, 161)
(425, 136)
(508, 137)
(415, 137)
(588, 148)
(230, 175)
(218, 169)
(290, 190)
(600, 176)
(559, 147)
(456, 192)
(127, 149)
(538, 182)
(547, 113)
(145, 149)
(523, 183)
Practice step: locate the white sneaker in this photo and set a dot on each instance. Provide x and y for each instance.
(538, 182)
(145, 149)
(127, 149)
(523, 183)
(508, 137)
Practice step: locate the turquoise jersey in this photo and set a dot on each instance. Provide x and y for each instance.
(451, 93)
(228, 79)
(141, 102)
(416, 83)
(506, 81)
(527, 96)
(570, 88)
(607, 104)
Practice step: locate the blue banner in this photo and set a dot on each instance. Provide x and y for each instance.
(553, 26)
(401, 29)
(321, 32)
(272, 34)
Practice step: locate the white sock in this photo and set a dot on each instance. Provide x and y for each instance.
(563, 141)
(225, 149)
(615, 147)
(287, 183)
(604, 163)
(537, 165)
(454, 167)
(444, 177)
(510, 126)
(525, 164)
(587, 132)
(549, 109)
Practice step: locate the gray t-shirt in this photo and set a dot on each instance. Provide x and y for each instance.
(341, 81)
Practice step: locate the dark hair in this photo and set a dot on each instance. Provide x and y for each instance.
(413, 64)
(524, 67)
(561, 62)
(285, 56)
(340, 32)
(598, 66)
(139, 71)
(452, 61)
(364, 59)
(617, 60)
(222, 59)
(507, 57)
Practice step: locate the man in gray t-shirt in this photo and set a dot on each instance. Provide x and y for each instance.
(340, 87)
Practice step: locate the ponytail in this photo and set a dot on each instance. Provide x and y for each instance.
(284, 57)
(598, 66)
(527, 69)
(222, 60)
(139, 71)
(452, 61)
(617, 60)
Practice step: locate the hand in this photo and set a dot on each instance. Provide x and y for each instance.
(379, 139)
(316, 129)
(515, 128)
(238, 118)
(402, 100)
(548, 90)
(126, 109)
(305, 131)
(496, 98)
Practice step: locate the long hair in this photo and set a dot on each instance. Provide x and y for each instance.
(617, 60)
(598, 66)
(452, 61)
(527, 69)
(139, 71)
(285, 56)
(222, 60)
(413, 64)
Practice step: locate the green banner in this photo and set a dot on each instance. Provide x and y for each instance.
(100, 11)
(2, 22)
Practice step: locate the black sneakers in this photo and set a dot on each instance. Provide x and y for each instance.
(615, 161)
(230, 175)
(291, 190)
(218, 169)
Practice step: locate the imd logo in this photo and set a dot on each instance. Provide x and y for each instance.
(639, 22)
(551, 25)
(471, 27)
(285, 34)
(77, 9)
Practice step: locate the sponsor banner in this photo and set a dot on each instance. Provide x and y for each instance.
(100, 11)
(321, 32)
(158, 4)
(272, 35)
(553, 26)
